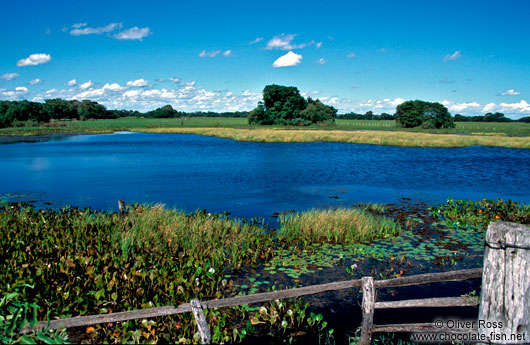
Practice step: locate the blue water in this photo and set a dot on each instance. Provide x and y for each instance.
(248, 179)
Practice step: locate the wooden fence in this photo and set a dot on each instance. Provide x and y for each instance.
(197, 306)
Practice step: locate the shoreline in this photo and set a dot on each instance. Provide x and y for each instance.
(277, 135)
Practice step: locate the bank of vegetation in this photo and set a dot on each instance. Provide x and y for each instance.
(393, 138)
(75, 261)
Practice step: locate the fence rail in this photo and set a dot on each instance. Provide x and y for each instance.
(82, 321)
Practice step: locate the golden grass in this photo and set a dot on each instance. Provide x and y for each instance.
(394, 138)
(344, 226)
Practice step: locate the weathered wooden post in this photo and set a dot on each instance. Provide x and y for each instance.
(368, 310)
(504, 314)
(200, 319)
(121, 207)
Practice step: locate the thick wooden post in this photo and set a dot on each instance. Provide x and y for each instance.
(368, 310)
(200, 319)
(504, 314)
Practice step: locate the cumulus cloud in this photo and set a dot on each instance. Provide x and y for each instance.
(211, 54)
(138, 82)
(283, 42)
(86, 85)
(258, 39)
(511, 92)
(35, 81)
(228, 53)
(318, 45)
(455, 56)
(34, 59)
(350, 55)
(71, 82)
(9, 76)
(112, 87)
(134, 33)
(321, 61)
(519, 107)
(18, 93)
(79, 29)
(473, 108)
(174, 80)
(287, 60)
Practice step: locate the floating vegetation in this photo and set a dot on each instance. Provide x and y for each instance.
(478, 214)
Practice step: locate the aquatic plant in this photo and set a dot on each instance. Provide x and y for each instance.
(468, 213)
(342, 225)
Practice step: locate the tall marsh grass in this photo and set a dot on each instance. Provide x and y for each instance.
(343, 226)
(393, 138)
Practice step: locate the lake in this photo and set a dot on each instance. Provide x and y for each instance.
(249, 179)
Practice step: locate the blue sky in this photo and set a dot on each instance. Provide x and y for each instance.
(474, 57)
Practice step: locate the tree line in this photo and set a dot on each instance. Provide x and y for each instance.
(281, 105)
(19, 113)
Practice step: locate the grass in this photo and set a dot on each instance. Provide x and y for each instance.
(483, 133)
(394, 138)
(344, 226)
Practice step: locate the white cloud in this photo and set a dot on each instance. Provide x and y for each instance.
(174, 80)
(34, 59)
(283, 42)
(289, 59)
(382, 50)
(71, 82)
(12, 95)
(228, 53)
(519, 107)
(258, 39)
(112, 87)
(211, 54)
(318, 45)
(511, 92)
(86, 85)
(82, 29)
(134, 33)
(464, 107)
(489, 107)
(35, 81)
(79, 25)
(138, 82)
(350, 55)
(9, 76)
(322, 61)
(456, 55)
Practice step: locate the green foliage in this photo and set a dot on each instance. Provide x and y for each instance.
(166, 111)
(15, 315)
(283, 105)
(417, 113)
(465, 213)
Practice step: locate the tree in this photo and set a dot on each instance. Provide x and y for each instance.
(317, 111)
(426, 114)
(165, 112)
(283, 105)
(60, 109)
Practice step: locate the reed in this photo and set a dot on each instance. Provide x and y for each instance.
(393, 138)
(342, 226)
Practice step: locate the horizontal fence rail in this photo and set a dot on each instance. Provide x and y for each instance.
(82, 321)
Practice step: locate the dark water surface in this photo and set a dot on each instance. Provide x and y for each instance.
(249, 179)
